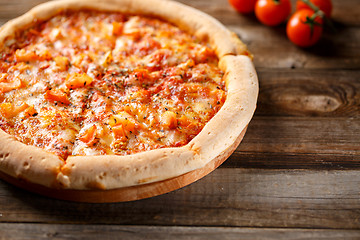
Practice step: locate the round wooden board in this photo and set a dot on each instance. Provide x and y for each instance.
(127, 193)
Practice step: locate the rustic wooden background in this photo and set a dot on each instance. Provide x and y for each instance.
(296, 174)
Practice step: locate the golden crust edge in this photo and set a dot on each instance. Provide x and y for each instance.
(125, 193)
(28, 162)
(193, 155)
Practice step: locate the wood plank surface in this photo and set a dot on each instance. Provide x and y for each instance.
(265, 42)
(297, 135)
(227, 197)
(280, 160)
(296, 175)
(89, 232)
(313, 93)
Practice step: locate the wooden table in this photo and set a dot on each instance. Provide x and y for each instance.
(296, 174)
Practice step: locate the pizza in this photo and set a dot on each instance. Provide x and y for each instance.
(119, 94)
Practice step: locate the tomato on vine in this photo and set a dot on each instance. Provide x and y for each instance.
(304, 28)
(272, 12)
(323, 5)
(243, 6)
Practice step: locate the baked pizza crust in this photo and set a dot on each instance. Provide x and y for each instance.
(28, 162)
(217, 140)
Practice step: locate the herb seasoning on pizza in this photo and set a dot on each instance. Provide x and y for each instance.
(83, 79)
(91, 83)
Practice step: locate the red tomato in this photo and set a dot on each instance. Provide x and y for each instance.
(324, 5)
(302, 30)
(272, 12)
(243, 6)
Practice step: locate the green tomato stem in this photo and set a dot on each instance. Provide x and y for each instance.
(311, 5)
(319, 13)
(315, 8)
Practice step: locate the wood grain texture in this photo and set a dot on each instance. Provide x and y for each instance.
(314, 93)
(295, 175)
(227, 197)
(94, 232)
(301, 135)
(272, 49)
(12, 9)
(280, 160)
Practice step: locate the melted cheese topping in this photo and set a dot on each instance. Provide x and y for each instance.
(91, 83)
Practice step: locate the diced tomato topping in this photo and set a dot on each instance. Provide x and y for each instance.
(77, 80)
(23, 55)
(117, 28)
(8, 86)
(57, 95)
(10, 110)
(168, 119)
(119, 132)
(89, 135)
